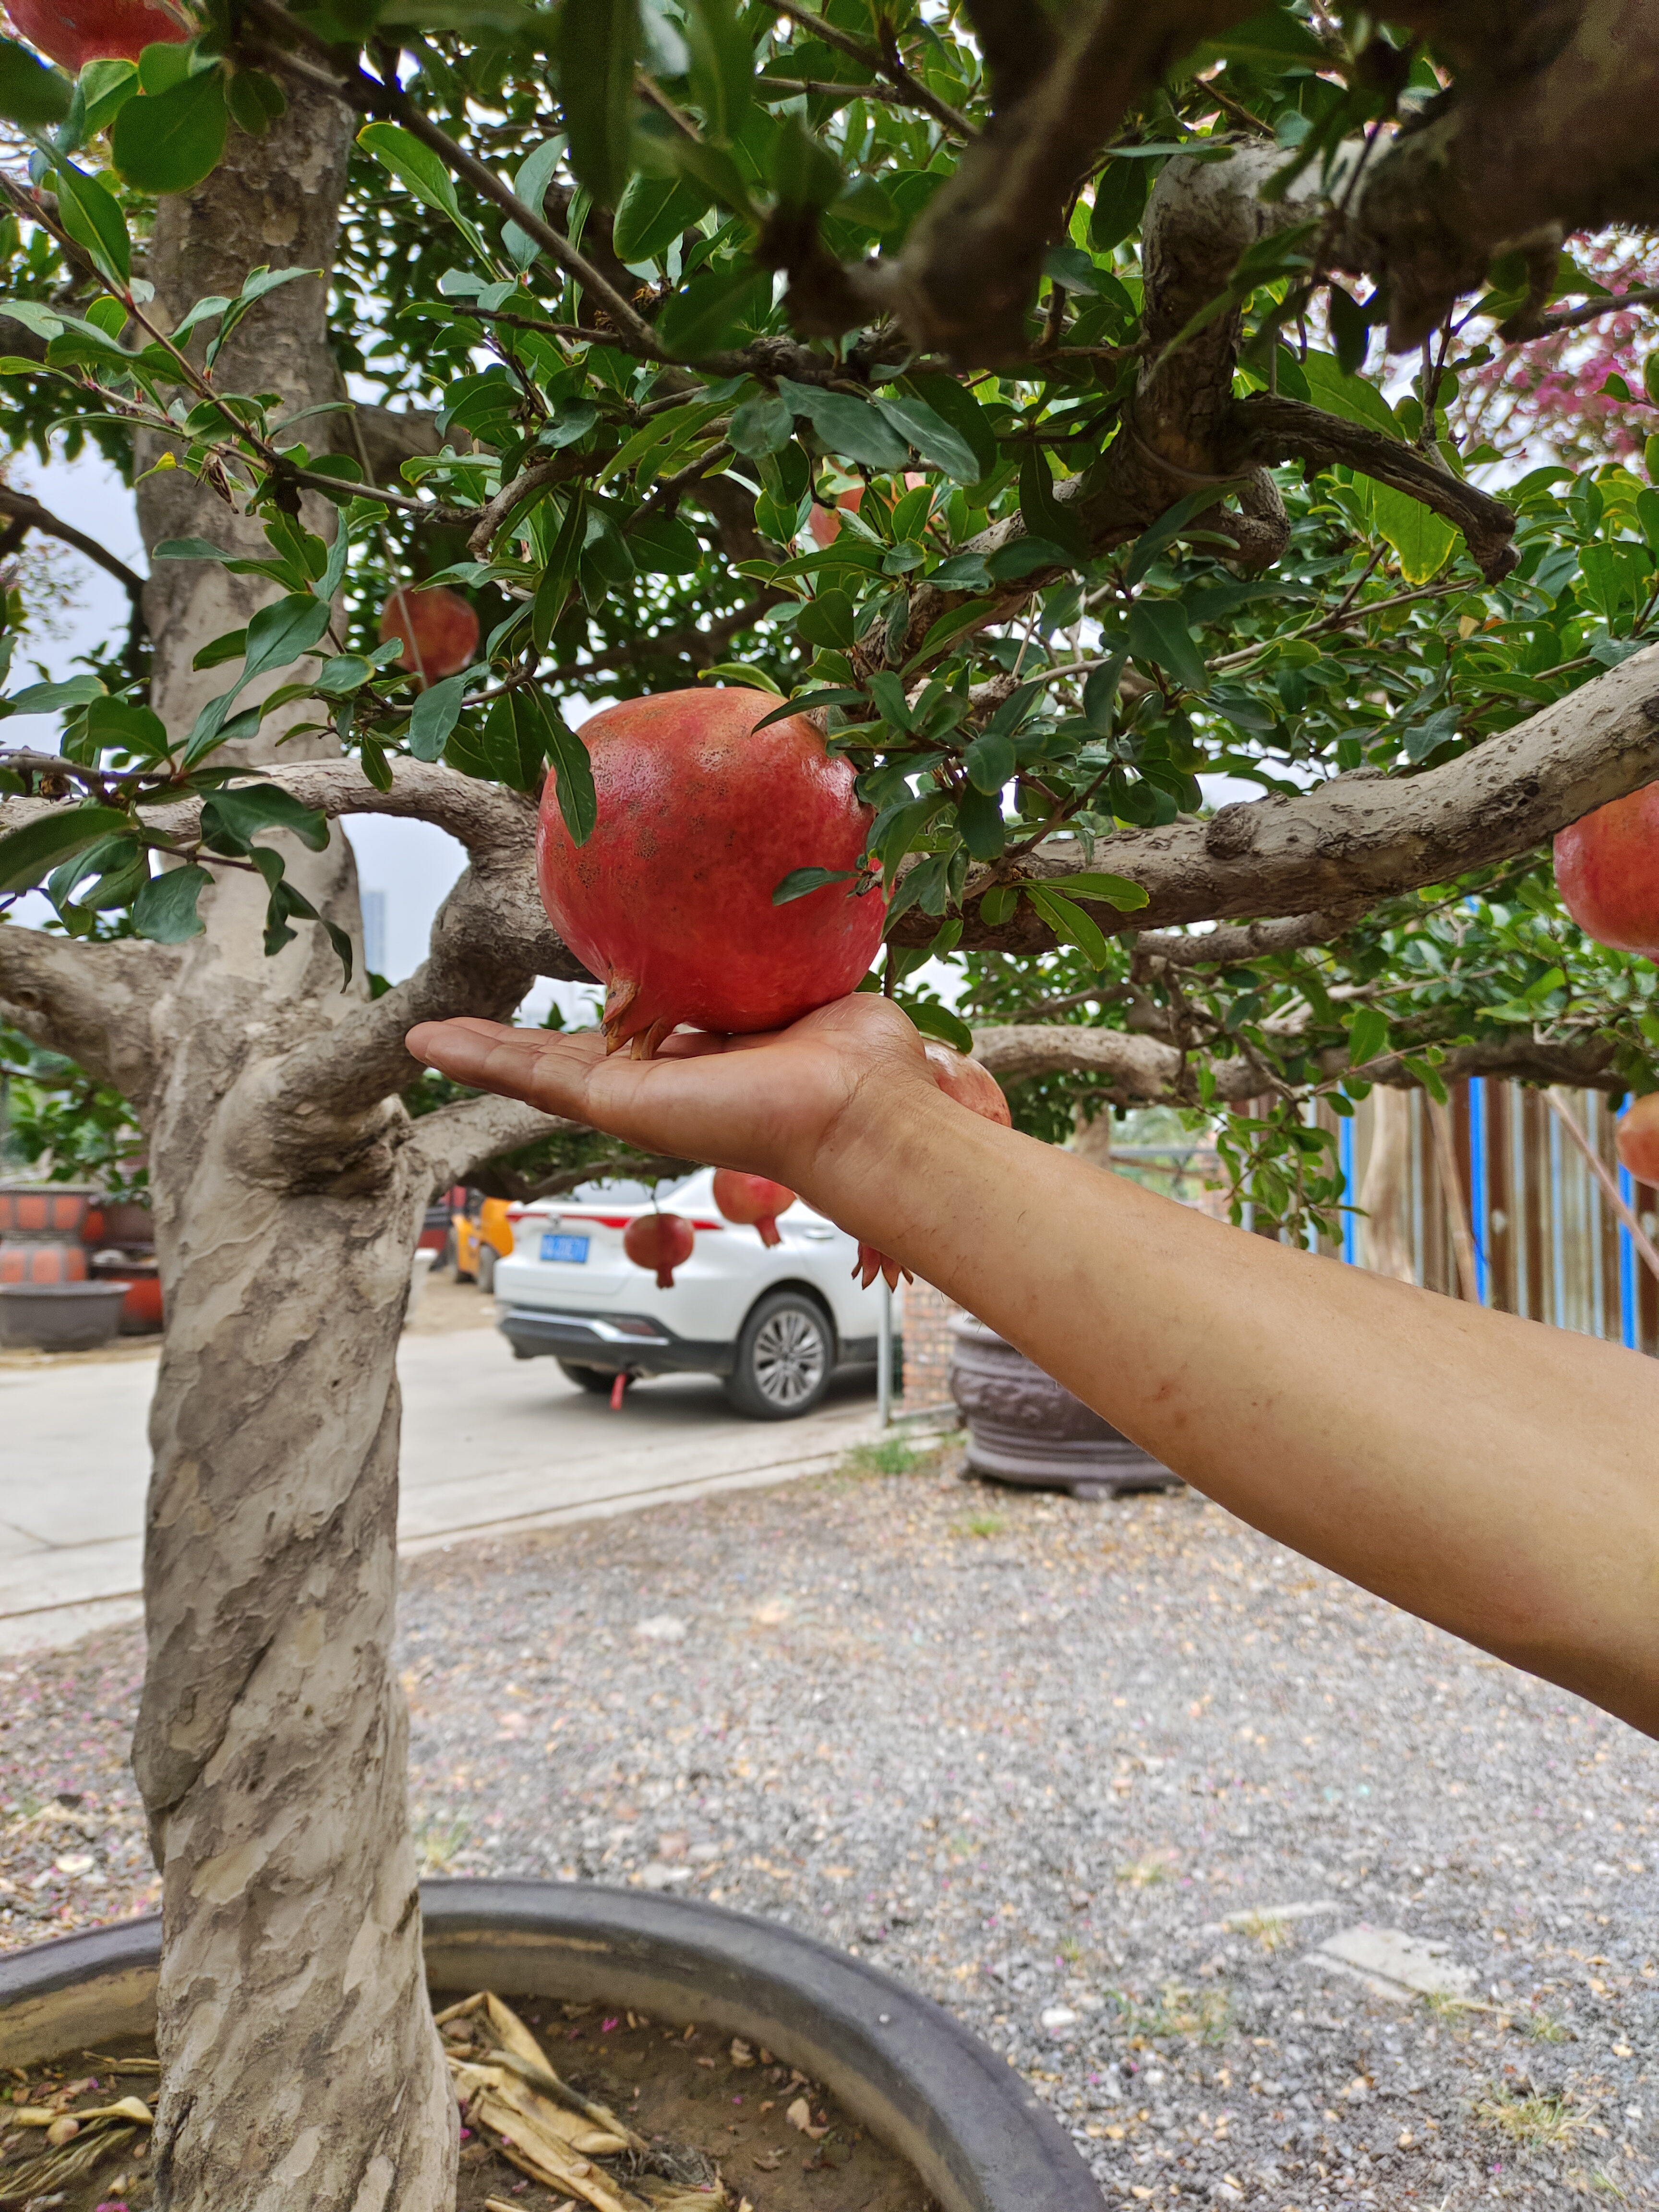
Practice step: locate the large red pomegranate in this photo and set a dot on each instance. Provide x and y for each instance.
(970, 1085)
(662, 1240)
(701, 816)
(73, 32)
(438, 628)
(752, 1201)
(1606, 870)
(1637, 1138)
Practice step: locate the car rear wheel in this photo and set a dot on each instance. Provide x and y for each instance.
(785, 1357)
(598, 1380)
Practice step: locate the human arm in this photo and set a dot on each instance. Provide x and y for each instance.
(1494, 1476)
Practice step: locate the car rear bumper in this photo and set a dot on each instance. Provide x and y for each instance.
(641, 1344)
(612, 1342)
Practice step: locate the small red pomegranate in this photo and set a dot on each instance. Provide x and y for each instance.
(73, 32)
(1606, 870)
(1637, 1138)
(438, 628)
(752, 1201)
(824, 522)
(970, 1085)
(662, 1240)
(701, 816)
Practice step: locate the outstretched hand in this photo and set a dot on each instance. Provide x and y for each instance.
(784, 1104)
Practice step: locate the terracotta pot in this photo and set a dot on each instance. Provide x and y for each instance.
(978, 2135)
(59, 1316)
(122, 1222)
(1022, 1427)
(140, 1275)
(41, 1225)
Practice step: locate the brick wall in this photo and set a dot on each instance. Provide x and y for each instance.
(927, 1314)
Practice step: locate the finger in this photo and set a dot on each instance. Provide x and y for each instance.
(538, 1066)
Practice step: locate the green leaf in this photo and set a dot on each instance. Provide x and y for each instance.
(280, 633)
(1351, 397)
(419, 169)
(231, 647)
(574, 772)
(955, 405)
(29, 854)
(989, 761)
(435, 714)
(936, 1021)
(761, 425)
(951, 625)
(168, 141)
(714, 309)
(1423, 540)
(1070, 923)
(106, 88)
(827, 620)
(932, 437)
(94, 219)
(663, 545)
(558, 579)
(722, 66)
(165, 910)
(189, 548)
(652, 213)
(1368, 1034)
(1040, 512)
(998, 904)
(48, 698)
(598, 43)
(1272, 41)
(804, 172)
(980, 822)
(30, 93)
(800, 881)
(1121, 193)
(849, 427)
(1113, 890)
(1169, 526)
(232, 818)
(1159, 632)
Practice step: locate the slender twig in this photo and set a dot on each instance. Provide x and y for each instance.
(888, 64)
(1572, 318)
(29, 512)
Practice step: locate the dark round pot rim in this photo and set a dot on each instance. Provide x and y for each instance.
(978, 2134)
(59, 1290)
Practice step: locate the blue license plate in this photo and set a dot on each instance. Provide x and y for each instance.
(572, 1250)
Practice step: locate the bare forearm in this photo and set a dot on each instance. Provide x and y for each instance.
(1497, 1477)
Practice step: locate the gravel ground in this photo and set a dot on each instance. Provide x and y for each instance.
(1063, 1767)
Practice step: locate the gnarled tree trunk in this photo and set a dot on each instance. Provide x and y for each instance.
(300, 2065)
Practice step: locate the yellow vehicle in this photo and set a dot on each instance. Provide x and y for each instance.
(484, 1232)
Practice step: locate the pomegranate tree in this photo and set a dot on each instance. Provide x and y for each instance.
(701, 815)
(438, 628)
(73, 32)
(752, 1201)
(1607, 869)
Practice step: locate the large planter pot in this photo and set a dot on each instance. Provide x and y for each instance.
(59, 1316)
(122, 1222)
(1022, 1427)
(40, 1226)
(978, 2134)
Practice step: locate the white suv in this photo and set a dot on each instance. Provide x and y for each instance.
(775, 1321)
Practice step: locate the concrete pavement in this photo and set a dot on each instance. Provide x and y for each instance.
(490, 1444)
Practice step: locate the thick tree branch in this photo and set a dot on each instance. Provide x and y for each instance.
(458, 1139)
(1365, 836)
(90, 1002)
(969, 270)
(1549, 130)
(1267, 428)
(493, 823)
(1144, 1069)
(884, 61)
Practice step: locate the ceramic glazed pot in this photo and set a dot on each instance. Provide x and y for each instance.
(1022, 1427)
(40, 1226)
(976, 2133)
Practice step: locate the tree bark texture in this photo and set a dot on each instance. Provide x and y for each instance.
(300, 2062)
(1385, 1193)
